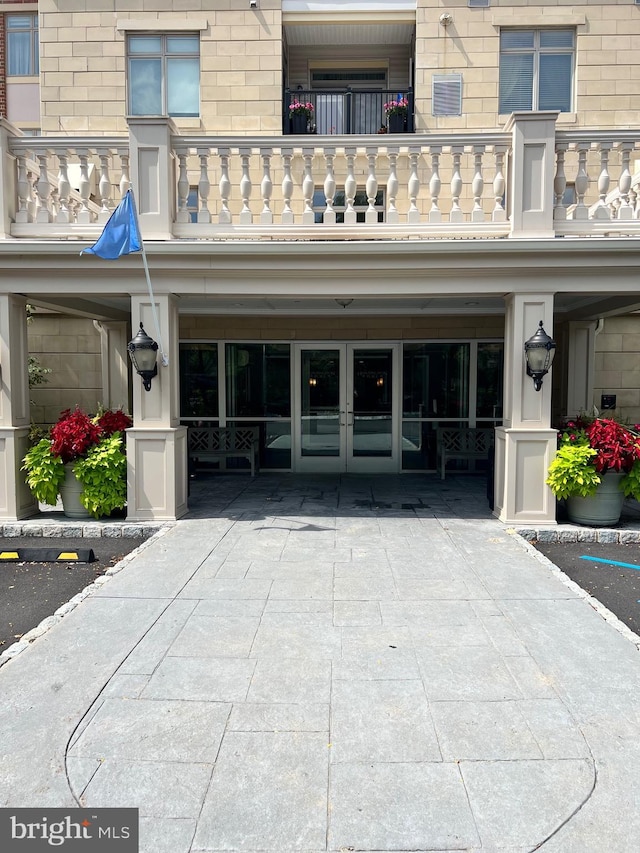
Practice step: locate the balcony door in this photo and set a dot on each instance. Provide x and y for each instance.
(346, 408)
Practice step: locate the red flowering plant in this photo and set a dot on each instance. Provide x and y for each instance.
(590, 447)
(94, 447)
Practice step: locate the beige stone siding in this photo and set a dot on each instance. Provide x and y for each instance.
(618, 365)
(70, 348)
(347, 328)
(83, 65)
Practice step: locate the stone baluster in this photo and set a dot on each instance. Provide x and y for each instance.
(43, 189)
(560, 184)
(634, 201)
(104, 186)
(329, 214)
(413, 187)
(266, 189)
(581, 211)
(435, 184)
(24, 191)
(350, 188)
(308, 186)
(287, 187)
(245, 187)
(625, 211)
(477, 185)
(204, 187)
(224, 187)
(125, 181)
(34, 200)
(499, 214)
(393, 217)
(84, 214)
(64, 189)
(183, 214)
(371, 186)
(602, 208)
(456, 185)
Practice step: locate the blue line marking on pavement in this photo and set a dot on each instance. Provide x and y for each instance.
(612, 563)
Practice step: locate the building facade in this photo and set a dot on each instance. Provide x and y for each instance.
(348, 275)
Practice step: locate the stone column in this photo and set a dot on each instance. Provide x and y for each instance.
(526, 444)
(16, 500)
(533, 167)
(8, 179)
(114, 336)
(157, 444)
(152, 175)
(581, 366)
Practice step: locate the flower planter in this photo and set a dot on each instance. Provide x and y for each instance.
(602, 509)
(298, 124)
(70, 492)
(397, 123)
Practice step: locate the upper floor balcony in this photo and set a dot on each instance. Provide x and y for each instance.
(530, 180)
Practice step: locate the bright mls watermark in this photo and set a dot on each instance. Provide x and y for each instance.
(69, 830)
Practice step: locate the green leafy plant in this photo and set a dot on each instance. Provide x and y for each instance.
(94, 447)
(588, 448)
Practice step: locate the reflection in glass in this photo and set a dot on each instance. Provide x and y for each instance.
(198, 380)
(490, 381)
(274, 447)
(436, 380)
(372, 398)
(320, 402)
(258, 382)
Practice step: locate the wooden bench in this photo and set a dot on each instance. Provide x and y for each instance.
(217, 443)
(462, 443)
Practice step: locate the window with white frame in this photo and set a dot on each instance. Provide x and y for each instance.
(164, 74)
(22, 45)
(536, 69)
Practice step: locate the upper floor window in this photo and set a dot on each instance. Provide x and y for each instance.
(164, 74)
(536, 70)
(22, 45)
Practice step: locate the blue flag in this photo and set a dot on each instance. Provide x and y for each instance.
(120, 235)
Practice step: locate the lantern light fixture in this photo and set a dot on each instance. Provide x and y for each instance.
(539, 352)
(143, 354)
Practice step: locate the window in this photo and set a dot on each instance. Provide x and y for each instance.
(22, 45)
(164, 75)
(360, 204)
(536, 70)
(478, 4)
(446, 99)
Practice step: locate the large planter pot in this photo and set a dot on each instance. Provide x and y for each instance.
(397, 123)
(298, 124)
(602, 509)
(70, 492)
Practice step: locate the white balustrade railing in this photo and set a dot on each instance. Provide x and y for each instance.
(350, 187)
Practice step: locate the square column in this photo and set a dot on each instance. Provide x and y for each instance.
(157, 444)
(526, 444)
(16, 501)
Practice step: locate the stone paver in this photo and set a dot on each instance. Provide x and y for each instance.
(317, 663)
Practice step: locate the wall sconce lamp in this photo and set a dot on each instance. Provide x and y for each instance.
(539, 351)
(143, 353)
(253, 4)
(313, 381)
(380, 381)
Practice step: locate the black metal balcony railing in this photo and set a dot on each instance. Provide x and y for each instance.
(346, 111)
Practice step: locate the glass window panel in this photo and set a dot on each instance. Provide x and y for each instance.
(145, 86)
(372, 402)
(511, 39)
(21, 22)
(183, 44)
(274, 445)
(19, 54)
(320, 402)
(258, 382)
(183, 87)
(490, 381)
(555, 82)
(198, 380)
(556, 38)
(145, 44)
(516, 82)
(436, 380)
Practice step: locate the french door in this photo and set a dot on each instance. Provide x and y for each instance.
(346, 405)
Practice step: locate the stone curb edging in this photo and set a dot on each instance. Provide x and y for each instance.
(579, 534)
(90, 530)
(598, 606)
(156, 531)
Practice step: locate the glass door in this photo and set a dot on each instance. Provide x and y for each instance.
(346, 406)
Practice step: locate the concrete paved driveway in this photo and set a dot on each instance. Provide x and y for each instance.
(312, 664)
